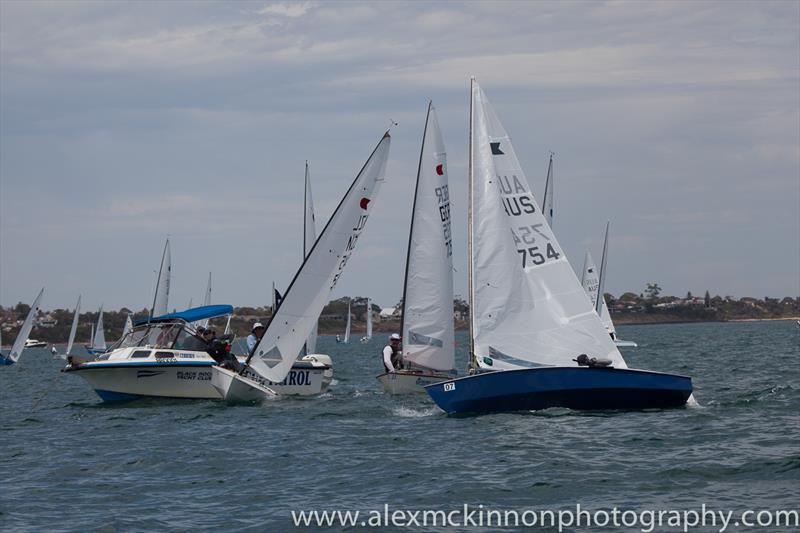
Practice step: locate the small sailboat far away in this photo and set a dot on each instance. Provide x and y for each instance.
(72, 330)
(128, 325)
(593, 282)
(535, 341)
(98, 344)
(206, 301)
(368, 336)
(161, 296)
(309, 291)
(22, 337)
(428, 340)
(348, 327)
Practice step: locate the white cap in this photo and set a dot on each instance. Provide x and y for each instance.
(257, 325)
(394, 337)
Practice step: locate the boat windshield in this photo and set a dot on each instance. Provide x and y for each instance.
(153, 335)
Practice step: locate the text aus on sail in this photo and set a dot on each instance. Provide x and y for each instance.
(533, 240)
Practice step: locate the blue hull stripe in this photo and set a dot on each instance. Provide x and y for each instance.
(574, 388)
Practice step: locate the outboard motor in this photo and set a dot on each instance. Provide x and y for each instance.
(592, 362)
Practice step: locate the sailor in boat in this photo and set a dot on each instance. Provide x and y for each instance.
(393, 354)
(256, 333)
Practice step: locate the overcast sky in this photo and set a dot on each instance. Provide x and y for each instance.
(121, 123)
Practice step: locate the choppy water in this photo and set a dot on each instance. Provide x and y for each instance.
(70, 463)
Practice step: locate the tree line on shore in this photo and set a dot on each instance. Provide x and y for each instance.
(648, 306)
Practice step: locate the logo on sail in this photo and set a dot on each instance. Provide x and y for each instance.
(496, 149)
(440, 169)
(364, 203)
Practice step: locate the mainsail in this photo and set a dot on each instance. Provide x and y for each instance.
(207, 300)
(347, 328)
(369, 319)
(99, 341)
(311, 287)
(591, 284)
(427, 327)
(161, 298)
(74, 327)
(309, 237)
(25, 330)
(528, 307)
(128, 325)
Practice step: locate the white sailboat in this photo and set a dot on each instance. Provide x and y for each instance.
(346, 339)
(128, 325)
(428, 351)
(530, 319)
(73, 329)
(310, 289)
(368, 336)
(309, 238)
(22, 337)
(206, 300)
(161, 296)
(99, 336)
(592, 279)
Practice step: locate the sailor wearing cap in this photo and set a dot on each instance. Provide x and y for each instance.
(252, 339)
(392, 354)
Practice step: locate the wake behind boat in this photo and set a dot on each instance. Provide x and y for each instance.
(535, 340)
(164, 358)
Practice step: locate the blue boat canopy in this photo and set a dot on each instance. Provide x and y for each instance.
(192, 315)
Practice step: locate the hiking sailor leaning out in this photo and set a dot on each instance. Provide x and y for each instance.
(393, 355)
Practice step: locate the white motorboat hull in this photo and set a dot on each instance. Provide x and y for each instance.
(235, 388)
(187, 375)
(403, 382)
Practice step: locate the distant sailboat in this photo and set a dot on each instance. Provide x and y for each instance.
(592, 282)
(428, 349)
(206, 301)
(535, 341)
(307, 294)
(128, 325)
(547, 206)
(366, 338)
(346, 339)
(99, 338)
(73, 329)
(161, 297)
(22, 337)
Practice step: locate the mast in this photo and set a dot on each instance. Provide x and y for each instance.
(472, 365)
(158, 280)
(600, 298)
(305, 244)
(413, 216)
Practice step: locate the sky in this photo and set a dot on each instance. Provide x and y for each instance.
(122, 123)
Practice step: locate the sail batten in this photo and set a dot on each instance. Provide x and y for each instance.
(313, 283)
(527, 301)
(427, 326)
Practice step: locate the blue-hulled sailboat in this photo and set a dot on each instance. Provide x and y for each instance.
(535, 340)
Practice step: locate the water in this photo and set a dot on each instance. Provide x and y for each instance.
(70, 463)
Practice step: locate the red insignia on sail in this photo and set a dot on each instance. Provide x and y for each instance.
(364, 203)
(440, 169)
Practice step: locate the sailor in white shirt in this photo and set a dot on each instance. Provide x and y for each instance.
(392, 354)
(256, 333)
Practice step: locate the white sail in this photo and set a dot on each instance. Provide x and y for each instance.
(427, 329)
(347, 328)
(227, 326)
(369, 319)
(591, 284)
(128, 325)
(74, 327)
(528, 308)
(25, 330)
(161, 298)
(547, 201)
(207, 300)
(99, 341)
(309, 237)
(312, 285)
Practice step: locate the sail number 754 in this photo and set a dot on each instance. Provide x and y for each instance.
(535, 256)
